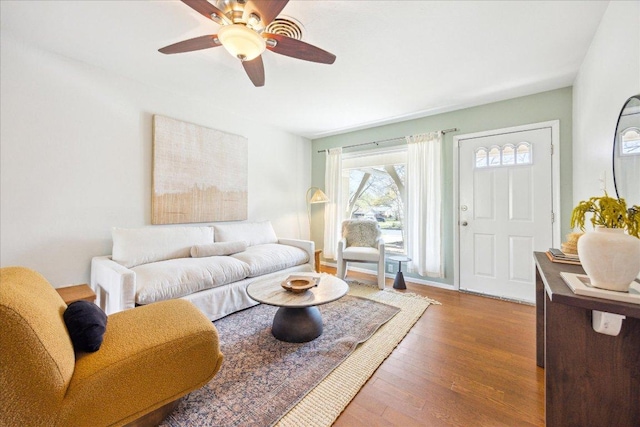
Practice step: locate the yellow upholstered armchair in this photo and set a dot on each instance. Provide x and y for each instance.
(361, 242)
(150, 357)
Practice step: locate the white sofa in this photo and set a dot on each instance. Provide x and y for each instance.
(156, 263)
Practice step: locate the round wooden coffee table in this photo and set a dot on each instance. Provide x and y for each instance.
(298, 318)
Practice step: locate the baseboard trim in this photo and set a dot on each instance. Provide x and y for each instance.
(482, 294)
(393, 276)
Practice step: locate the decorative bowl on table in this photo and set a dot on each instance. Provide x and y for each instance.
(298, 284)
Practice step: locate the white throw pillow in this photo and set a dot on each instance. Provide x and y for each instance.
(135, 246)
(217, 249)
(254, 233)
(361, 233)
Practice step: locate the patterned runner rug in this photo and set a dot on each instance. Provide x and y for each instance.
(264, 381)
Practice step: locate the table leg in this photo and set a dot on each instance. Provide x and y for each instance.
(317, 259)
(297, 324)
(399, 282)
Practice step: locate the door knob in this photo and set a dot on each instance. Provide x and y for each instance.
(464, 223)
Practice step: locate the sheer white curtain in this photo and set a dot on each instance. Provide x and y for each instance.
(424, 204)
(333, 209)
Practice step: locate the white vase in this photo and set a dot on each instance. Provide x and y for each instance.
(610, 258)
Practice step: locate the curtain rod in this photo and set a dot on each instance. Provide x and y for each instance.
(387, 140)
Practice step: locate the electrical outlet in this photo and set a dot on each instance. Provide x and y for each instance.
(390, 268)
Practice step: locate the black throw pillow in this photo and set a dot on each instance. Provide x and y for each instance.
(86, 323)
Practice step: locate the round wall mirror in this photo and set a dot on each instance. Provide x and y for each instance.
(626, 152)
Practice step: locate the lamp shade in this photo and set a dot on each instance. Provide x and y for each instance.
(319, 197)
(241, 42)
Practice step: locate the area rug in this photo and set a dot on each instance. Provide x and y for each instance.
(264, 381)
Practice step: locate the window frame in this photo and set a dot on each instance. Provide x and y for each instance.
(385, 156)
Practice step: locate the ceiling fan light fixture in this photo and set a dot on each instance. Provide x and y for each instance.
(241, 42)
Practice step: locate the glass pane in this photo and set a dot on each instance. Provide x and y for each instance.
(508, 155)
(374, 196)
(494, 156)
(523, 156)
(481, 158)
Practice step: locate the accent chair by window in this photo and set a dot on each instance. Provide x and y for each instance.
(361, 242)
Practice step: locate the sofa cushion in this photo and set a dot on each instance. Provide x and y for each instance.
(264, 259)
(217, 249)
(175, 278)
(356, 253)
(254, 233)
(135, 246)
(86, 323)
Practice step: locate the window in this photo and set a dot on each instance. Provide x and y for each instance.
(524, 153)
(494, 156)
(630, 139)
(507, 155)
(481, 157)
(373, 187)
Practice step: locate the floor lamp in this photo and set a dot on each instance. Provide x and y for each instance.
(317, 197)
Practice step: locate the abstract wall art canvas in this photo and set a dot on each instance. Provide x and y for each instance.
(199, 174)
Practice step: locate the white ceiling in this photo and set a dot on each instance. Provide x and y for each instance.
(396, 60)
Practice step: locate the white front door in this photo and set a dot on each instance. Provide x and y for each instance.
(505, 211)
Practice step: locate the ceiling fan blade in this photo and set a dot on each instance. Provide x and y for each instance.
(298, 49)
(267, 9)
(205, 8)
(202, 42)
(255, 71)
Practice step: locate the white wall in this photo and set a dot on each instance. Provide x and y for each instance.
(610, 73)
(76, 159)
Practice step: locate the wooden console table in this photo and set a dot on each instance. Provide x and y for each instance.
(591, 379)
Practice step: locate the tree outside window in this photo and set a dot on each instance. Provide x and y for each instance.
(377, 193)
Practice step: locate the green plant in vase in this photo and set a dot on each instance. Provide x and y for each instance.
(633, 221)
(608, 212)
(610, 258)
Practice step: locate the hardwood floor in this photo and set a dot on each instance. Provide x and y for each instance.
(468, 362)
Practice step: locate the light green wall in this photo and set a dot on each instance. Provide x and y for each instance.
(541, 107)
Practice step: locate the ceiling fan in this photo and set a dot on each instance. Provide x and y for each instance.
(243, 34)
